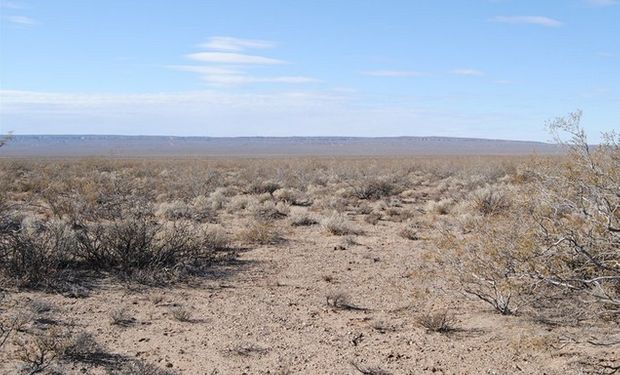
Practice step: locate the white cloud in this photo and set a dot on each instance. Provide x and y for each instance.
(206, 69)
(531, 20)
(468, 72)
(232, 58)
(228, 76)
(240, 79)
(231, 68)
(21, 20)
(394, 73)
(227, 43)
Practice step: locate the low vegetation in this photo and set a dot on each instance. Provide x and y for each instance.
(537, 238)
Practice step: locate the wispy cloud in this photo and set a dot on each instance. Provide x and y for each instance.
(202, 69)
(232, 58)
(21, 20)
(227, 43)
(233, 68)
(601, 3)
(243, 79)
(528, 20)
(467, 72)
(10, 5)
(394, 73)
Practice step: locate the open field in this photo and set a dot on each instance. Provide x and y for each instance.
(310, 266)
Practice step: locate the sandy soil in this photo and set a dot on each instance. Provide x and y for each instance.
(267, 314)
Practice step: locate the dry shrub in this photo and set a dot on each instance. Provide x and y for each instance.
(339, 225)
(490, 201)
(441, 207)
(238, 203)
(438, 321)
(40, 351)
(331, 203)
(410, 231)
(292, 196)
(260, 233)
(373, 188)
(302, 218)
(121, 317)
(262, 187)
(338, 300)
(181, 314)
(34, 253)
(142, 368)
(269, 210)
(561, 231)
(218, 198)
(174, 210)
(487, 262)
(82, 347)
(373, 218)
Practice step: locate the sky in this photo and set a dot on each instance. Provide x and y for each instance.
(470, 68)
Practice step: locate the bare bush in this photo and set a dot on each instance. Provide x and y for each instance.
(40, 351)
(438, 321)
(181, 314)
(373, 188)
(34, 255)
(338, 225)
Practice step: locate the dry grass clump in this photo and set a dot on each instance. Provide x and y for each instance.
(441, 207)
(181, 314)
(260, 233)
(410, 231)
(269, 210)
(262, 187)
(338, 300)
(121, 317)
(339, 225)
(438, 321)
(490, 201)
(302, 218)
(292, 197)
(373, 218)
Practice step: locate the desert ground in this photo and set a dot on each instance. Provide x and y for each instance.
(299, 265)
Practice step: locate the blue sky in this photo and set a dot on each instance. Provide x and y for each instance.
(469, 68)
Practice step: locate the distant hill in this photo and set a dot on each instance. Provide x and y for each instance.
(151, 146)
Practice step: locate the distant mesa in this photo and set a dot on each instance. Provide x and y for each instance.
(152, 146)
